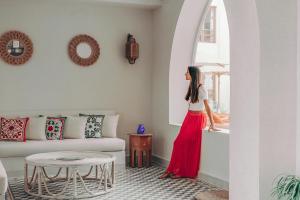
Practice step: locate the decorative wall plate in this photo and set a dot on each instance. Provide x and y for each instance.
(16, 47)
(83, 50)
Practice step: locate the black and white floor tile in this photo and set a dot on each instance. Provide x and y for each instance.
(136, 184)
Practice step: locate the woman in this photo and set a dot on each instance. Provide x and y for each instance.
(185, 158)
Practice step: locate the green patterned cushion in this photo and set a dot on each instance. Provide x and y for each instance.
(55, 127)
(94, 125)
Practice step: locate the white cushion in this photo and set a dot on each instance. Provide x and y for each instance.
(75, 127)
(21, 149)
(36, 128)
(110, 124)
(3, 180)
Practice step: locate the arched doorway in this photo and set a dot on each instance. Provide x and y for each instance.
(245, 65)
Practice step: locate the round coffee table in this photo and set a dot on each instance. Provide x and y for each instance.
(38, 184)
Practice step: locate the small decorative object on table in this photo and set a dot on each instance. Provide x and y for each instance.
(140, 144)
(140, 129)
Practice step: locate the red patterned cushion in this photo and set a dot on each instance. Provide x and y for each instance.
(13, 129)
(54, 128)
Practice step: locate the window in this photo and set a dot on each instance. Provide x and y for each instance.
(208, 27)
(212, 56)
(217, 83)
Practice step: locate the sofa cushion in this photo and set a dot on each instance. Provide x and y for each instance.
(17, 149)
(13, 129)
(36, 128)
(94, 125)
(110, 124)
(75, 127)
(55, 128)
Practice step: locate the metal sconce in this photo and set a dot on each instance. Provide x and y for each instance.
(132, 49)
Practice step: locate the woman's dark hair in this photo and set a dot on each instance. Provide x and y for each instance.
(193, 90)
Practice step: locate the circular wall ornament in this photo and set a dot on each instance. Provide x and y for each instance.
(16, 47)
(83, 50)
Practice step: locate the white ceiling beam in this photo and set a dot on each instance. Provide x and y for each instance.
(150, 4)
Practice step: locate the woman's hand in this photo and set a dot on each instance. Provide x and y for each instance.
(212, 128)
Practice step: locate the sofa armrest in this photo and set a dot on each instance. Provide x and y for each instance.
(3, 180)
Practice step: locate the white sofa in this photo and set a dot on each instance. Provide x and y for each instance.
(3, 182)
(12, 153)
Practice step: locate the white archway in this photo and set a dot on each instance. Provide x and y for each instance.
(245, 68)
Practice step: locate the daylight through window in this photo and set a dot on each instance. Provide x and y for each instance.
(212, 56)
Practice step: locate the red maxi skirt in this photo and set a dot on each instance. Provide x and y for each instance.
(185, 160)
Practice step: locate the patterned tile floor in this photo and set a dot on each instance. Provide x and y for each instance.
(136, 184)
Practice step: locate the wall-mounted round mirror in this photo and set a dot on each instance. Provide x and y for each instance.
(84, 50)
(15, 47)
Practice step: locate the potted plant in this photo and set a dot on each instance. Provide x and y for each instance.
(287, 188)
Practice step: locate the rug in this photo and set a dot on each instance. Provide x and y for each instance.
(212, 195)
(136, 184)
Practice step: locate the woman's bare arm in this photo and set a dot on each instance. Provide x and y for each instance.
(210, 117)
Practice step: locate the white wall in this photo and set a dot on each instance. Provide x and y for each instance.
(278, 90)
(50, 80)
(298, 92)
(244, 99)
(215, 158)
(164, 20)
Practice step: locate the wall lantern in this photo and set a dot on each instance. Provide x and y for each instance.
(132, 49)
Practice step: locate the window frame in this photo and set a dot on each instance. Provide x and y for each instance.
(216, 114)
(213, 31)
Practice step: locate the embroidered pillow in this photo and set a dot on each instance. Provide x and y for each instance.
(55, 127)
(13, 129)
(94, 125)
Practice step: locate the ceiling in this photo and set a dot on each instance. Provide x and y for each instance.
(146, 4)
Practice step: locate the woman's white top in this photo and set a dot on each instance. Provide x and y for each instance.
(199, 106)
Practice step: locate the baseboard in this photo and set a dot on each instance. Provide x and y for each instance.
(203, 176)
(155, 159)
(160, 161)
(15, 174)
(214, 181)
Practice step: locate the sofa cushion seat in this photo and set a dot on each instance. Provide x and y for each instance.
(22, 149)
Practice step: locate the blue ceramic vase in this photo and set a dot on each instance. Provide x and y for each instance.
(141, 129)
